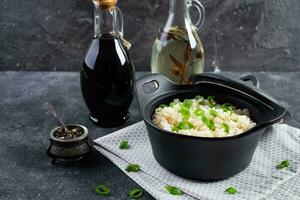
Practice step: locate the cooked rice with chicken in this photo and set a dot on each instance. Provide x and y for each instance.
(202, 118)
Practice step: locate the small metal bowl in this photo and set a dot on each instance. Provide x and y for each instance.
(72, 149)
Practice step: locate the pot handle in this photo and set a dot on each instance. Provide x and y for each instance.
(252, 79)
(200, 8)
(255, 82)
(149, 85)
(286, 116)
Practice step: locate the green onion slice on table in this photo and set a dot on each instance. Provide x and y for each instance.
(283, 164)
(135, 193)
(124, 145)
(231, 190)
(102, 190)
(173, 190)
(132, 168)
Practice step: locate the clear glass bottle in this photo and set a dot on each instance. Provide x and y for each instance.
(107, 74)
(177, 51)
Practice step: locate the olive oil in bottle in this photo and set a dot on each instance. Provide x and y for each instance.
(177, 51)
(173, 56)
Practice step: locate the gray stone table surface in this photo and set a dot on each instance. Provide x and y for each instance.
(25, 170)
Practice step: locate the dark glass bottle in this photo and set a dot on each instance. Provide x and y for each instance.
(107, 75)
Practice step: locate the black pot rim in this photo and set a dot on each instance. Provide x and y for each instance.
(244, 134)
(172, 134)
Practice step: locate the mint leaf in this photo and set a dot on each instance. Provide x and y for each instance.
(135, 193)
(231, 190)
(102, 190)
(173, 190)
(132, 168)
(124, 145)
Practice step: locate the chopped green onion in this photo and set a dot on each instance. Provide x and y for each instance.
(185, 112)
(227, 107)
(225, 127)
(283, 164)
(163, 106)
(224, 108)
(234, 117)
(187, 103)
(213, 113)
(124, 145)
(209, 123)
(173, 190)
(175, 129)
(211, 101)
(231, 190)
(188, 124)
(210, 98)
(172, 104)
(132, 168)
(198, 97)
(135, 193)
(102, 190)
(212, 105)
(183, 125)
(202, 103)
(199, 112)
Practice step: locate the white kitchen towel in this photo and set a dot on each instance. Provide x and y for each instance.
(261, 180)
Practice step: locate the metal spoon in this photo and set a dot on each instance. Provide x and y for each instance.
(50, 109)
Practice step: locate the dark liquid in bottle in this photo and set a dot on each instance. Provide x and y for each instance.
(107, 79)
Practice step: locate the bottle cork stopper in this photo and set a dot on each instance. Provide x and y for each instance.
(105, 4)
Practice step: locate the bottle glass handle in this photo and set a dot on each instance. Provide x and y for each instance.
(198, 5)
(119, 21)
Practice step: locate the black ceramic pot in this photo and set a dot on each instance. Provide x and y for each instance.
(199, 157)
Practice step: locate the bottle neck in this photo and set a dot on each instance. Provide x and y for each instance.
(178, 12)
(104, 22)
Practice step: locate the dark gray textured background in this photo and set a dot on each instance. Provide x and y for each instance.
(239, 35)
